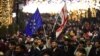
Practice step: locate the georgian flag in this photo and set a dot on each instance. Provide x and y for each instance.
(63, 15)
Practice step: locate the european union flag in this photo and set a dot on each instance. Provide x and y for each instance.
(34, 23)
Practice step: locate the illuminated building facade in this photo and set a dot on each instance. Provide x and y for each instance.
(6, 12)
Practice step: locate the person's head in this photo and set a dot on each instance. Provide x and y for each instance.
(12, 45)
(97, 44)
(20, 48)
(67, 41)
(80, 52)
(35, 40)
(81, 44)
(88, 42)
(54, 44)
(28, 38)
(40, 42)
(45, 54)
(28, 45)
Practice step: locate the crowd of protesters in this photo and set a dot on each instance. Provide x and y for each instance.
(75, 40)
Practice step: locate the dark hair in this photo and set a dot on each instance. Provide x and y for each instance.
(81, 50)
(98, 41)
(54, 41)
(81, 42)
(42, 40)
(12, 42)
(88, 40)
(22, 46)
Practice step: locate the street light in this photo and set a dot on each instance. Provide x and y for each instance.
(14, 15)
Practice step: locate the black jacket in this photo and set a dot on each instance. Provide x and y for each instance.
(94, 52)
(57, 52)
(37, 51)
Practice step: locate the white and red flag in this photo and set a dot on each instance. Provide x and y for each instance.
(64, 17)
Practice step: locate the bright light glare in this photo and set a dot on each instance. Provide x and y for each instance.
(13, 15)
(45, 7)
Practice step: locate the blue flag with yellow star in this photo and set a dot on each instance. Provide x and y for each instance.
(34, 23)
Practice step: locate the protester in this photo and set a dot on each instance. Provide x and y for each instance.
(79, 47)
(55, 50)
(80, 52)
(88, 47)
(20, 50)
(95, 51)
(12, 46)
(40, 48)
(69, 47)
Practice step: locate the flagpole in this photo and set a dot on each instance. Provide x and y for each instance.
(56, 17)
(44, 30)
(45, 36)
